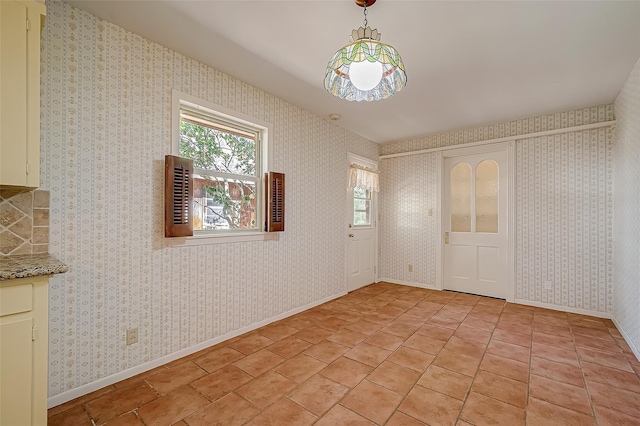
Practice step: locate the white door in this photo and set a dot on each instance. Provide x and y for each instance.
(475, 224)
(361, 236)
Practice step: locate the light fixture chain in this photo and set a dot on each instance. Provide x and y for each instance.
(365, 14)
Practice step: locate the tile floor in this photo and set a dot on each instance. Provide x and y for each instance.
(389, 355)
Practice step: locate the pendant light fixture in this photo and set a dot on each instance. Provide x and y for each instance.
(365, 69)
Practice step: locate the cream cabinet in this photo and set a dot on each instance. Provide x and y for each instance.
(23, 351)
(21, 23)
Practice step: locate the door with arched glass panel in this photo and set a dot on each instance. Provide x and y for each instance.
(475, 224)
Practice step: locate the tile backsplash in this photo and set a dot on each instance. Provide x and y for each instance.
(24, 222)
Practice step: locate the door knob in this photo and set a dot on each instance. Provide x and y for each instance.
(351, 235)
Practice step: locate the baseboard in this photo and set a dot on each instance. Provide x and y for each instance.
(409, 283)
(563, 308)
(130, 372)
(625, 335)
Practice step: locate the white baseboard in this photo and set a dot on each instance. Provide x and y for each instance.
(563, 308)
(634, 348)
(409, 283)
(130, 372)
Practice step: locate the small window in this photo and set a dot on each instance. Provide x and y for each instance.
(361, 207)
(227, 154)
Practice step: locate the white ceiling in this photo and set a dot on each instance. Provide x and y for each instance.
(468, 63)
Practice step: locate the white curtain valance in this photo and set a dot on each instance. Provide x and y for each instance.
(363, 178)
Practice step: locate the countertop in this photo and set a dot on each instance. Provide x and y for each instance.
(30, 265)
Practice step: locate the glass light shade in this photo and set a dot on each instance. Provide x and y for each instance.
(365, 75)
(344, 70)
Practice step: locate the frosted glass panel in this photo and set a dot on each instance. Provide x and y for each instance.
(461, 198)
(487, 197)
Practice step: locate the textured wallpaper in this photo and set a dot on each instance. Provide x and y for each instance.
(106, 123)
(626, 232)
(563, 209)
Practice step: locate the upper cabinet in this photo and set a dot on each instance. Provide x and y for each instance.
(21, 23)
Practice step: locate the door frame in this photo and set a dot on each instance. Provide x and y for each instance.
(454, 151)
(372, 164)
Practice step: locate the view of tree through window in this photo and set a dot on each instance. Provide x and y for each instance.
(225, 177)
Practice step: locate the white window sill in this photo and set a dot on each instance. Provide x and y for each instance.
(208, 239)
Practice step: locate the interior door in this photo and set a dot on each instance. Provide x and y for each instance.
(361, 240)
(475, 223)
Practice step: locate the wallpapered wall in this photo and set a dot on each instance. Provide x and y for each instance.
(563, 209)
(106, 125)
(626, 231)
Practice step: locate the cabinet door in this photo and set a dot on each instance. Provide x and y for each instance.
(20, 28)
(16, 374)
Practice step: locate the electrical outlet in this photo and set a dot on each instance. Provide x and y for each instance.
(548, 285)
(410, 268)
(132, 336)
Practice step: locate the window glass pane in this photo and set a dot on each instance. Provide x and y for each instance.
(487, 196)
(460, 184)
(361, 218)
(361, 207)
(221, 203)
(360, 193)
(215, 150)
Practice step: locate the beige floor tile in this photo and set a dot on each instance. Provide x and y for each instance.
(505, 367)
(383, 340)
(313, 334)
(346, 371)
(501, 388)
(435, 332)
(119, 401)
(251, 344)
(480, 410)
(230, 410)
(289, 347)
(557, 371)
(300, 367)
(267, 388)
(348, 338)
(542, 413)
(466, 347)
(614, 398)
(372, 401)
(368, 354)
(259, 362)
(394, 377)
(326, 351)
(340, 415)
(509, 350)
(431, 407)
(457, 362)
(128, 419)
(172, 378)
(564, 356)
(445, 381)
(173, 407)
(318, 394)
(411, 358)
(611, 376)
(218, 358)
(608, 417)
(400, 419)
(221, 382)
(284, 412)
(568, 396)
(76, 416)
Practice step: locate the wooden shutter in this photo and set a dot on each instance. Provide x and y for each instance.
(275, 201)
(178, 196)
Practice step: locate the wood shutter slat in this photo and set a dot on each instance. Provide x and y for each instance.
(178, 198)
(275, 201)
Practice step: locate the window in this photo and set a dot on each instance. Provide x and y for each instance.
(228, 153)
(361, 207)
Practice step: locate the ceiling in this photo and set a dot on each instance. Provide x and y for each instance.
(468, 63)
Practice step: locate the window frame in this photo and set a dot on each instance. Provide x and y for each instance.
(263, 160)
